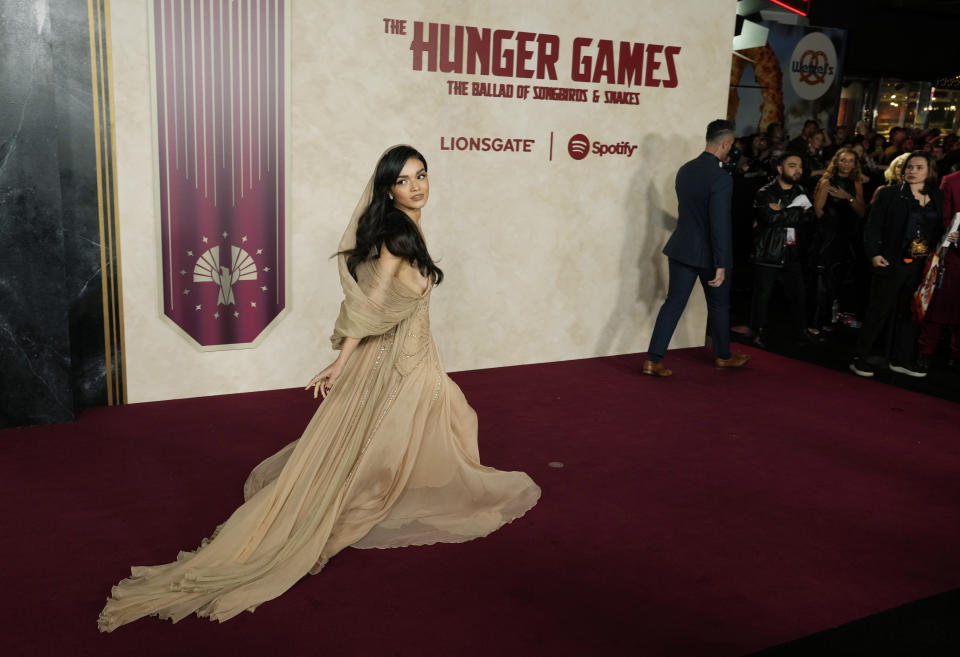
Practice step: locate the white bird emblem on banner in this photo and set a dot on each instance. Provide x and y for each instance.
(208, 270)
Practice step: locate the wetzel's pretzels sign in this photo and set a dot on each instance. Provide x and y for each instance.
(811, 58)
(813, 66)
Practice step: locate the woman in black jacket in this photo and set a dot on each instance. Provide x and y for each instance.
(901, 232)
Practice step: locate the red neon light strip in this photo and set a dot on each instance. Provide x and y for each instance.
(793, 9)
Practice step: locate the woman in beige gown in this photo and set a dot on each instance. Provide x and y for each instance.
(389, 459)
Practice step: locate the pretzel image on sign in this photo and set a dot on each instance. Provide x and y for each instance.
(814, 67)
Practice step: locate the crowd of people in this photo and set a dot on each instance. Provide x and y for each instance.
(857, 229)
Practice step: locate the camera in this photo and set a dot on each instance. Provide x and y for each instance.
(733, 158)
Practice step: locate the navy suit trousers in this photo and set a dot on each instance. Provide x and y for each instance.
(682, 278)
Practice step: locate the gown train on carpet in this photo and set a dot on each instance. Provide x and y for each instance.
(389, 459)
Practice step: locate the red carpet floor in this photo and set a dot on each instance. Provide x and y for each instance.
(714, 513)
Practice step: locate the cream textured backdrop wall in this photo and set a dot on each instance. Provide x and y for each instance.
(545, 260)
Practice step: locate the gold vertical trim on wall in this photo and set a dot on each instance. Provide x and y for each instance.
(103, 251)
(120, 360)
(101, 73)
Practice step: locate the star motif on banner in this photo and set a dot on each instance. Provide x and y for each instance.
(244, 239)
(216, 315)
(199, 306)
(253, 304)
(266, 269)
(236, 313)
(186, 291)
(224, 233)
(264, 288)
(183, 271)
(259, 251)
(190, 253)
(205, 240)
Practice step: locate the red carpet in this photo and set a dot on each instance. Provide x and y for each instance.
(714, 513)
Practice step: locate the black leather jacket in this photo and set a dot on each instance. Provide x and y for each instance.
(770, 229)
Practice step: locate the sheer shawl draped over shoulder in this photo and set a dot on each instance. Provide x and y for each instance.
(389, 459)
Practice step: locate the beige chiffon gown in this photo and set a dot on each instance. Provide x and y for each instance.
(389, 459)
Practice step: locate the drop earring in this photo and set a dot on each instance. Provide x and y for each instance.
(390, 196)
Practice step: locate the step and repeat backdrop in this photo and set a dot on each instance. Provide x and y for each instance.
(246, 131)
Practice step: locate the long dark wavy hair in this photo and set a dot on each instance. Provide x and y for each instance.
(382, 224)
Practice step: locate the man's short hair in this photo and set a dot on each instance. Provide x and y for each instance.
(716, 130)
(783, 157)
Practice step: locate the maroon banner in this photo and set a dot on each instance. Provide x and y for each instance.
(220, 132)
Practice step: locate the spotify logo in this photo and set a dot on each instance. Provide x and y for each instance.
(578, 147)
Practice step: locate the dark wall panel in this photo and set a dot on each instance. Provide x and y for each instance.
(34, 340)
(78, 191)
(51, 310)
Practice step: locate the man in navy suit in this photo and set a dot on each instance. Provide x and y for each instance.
(700, 247)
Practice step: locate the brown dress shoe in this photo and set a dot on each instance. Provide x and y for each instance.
(735, 360)
(655, 369)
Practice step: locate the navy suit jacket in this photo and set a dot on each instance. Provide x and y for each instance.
(703, 237)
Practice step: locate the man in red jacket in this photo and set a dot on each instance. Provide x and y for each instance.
(944, 310)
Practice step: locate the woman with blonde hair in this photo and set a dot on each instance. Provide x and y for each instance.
(893, 174)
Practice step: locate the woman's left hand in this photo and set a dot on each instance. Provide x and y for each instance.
(323, 382)
(954, 237)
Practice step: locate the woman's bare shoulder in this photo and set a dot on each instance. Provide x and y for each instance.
(388, 262)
